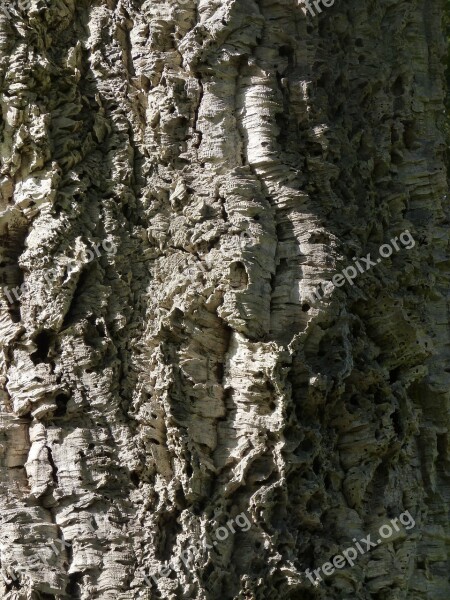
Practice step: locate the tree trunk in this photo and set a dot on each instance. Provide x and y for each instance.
(186, 412)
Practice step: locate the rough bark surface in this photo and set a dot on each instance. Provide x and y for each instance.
(236, 153)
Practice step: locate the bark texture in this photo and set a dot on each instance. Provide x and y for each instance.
(236, 153)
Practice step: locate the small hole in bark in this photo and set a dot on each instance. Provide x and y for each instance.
(61, 405)
(393, 375)
(73, 587)
(238, 275)
(207, 572)
(396, 420)
(14, 583)
(316, 465)
(396, 159)
(169, 528)
(305, 307)
(397, 87)
(199, 508)
(409, 136)
(307, 445)
(306, 595)
(43, 341)
(15, 314)
(220, 370)
(134, 478)
(285, 51)
(314, 503)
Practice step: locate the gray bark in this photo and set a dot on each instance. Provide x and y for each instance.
(231, 155)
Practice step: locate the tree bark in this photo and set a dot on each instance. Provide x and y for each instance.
(177, 179)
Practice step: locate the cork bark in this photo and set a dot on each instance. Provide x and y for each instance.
(231, 155)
